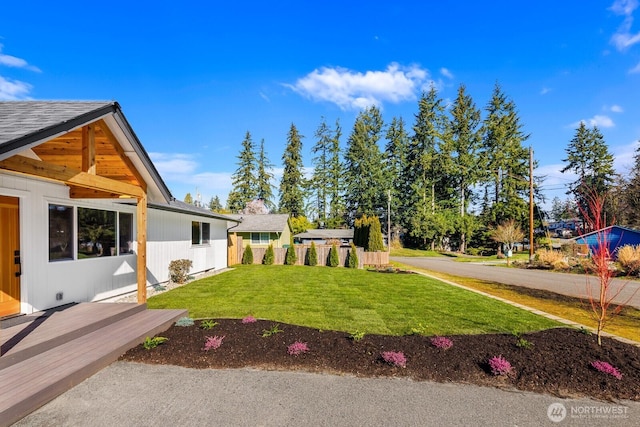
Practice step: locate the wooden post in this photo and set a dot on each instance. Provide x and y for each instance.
(141, 219)
(89, 149)
(531, 248)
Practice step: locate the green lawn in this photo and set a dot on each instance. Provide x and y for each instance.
(347, 300)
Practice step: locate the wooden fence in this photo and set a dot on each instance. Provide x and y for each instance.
(364, 258)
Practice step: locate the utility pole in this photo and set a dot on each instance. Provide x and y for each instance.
(531, 252)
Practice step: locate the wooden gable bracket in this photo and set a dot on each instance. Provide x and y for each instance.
(125, 159)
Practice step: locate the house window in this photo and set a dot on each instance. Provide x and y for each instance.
(206, 230)
(125, 233)
(200, 233)
(195, 233)
(60, 232)
(260, 238)
(96, 233)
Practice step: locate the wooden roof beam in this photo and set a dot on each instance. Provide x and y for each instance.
(89, 149)
(127, 161)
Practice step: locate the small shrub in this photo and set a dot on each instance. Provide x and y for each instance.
(269, 256)
(334, 258)
(357, 336)
(606, 368)
(551, 259)
(353, 261)
(213, 343)
(179, 270)
(208, 324)
(150, 343)
(291, 258)
(184, 322)
(312, 255)
(275, 329)
(297, 348)
(524, 343)
(442, 342)
(629, 258)
(249, 319)
(394, 358)
(247, 256)
(500, 366)
(584, 330)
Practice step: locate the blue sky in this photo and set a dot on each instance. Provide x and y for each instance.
(193, 77)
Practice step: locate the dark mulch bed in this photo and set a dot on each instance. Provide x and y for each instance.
(558, 362)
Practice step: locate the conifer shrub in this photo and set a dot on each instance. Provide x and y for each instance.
(291, 257)
(269, 256)
(368, 234)
(312, 255)
(353, 261)
(247, 256)
(334, 258)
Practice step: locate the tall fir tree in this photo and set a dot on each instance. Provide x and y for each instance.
(364, 167)
(244, 178)
(506, 161)
(215, 205)
(589, 158)
(462, 144)
(336, 181)
(396, 157)
(264, 178)
(319, 183)
(631, 194)
(292, 183)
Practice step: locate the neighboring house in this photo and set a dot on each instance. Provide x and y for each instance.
(614, 236)
(320, 236)
(84, 214)
(261, 230)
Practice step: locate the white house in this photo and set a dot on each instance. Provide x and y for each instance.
(84, 214)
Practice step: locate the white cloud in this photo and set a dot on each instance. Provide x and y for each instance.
(173, 164)
(445, 72)
(350, 89)
(545, 90)
(616, 109)
(624, 38)
(13, 89)
(597, 120)
(15, 62)
(635, 70)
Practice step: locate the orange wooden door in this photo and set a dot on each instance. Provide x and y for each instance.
(9, 256)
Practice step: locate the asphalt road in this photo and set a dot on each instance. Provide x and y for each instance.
(562, 283)
(130, 394)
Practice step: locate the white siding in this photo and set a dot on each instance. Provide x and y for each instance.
(169, 238)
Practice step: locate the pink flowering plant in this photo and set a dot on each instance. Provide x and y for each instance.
(297, 348)
(607, 368)
(249, 319)
(442, 342)
(500, 366)
(395, 358)
(213, 343)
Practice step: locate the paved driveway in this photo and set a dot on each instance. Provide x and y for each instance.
(562, 283)
(130, 394)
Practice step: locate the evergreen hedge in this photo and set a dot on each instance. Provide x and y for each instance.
(312, 255)
(247, 256)
(334, 258)
(269, 256)
(352, 259)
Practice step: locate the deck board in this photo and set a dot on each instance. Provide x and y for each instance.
(32, 381)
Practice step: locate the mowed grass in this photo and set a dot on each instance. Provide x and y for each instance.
(348, 300)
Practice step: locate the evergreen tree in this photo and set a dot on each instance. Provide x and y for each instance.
(263, 184)
(631, 194)
(321, 162)
(244, 178)
(291, 258)
(353, 261)
(462, 144)
(292, 183)
(506, 161)
(396, 154)
(312, 255)
(364, 167)
(376, 242)
(215, 205)
(188, 198)
(334, 257)
(335, 181)
(589, 158)
(247, 256)
(269, 256)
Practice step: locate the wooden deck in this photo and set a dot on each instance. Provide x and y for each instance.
(51, 353)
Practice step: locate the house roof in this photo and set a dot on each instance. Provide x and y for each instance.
(182, 207)
(272, 223)
(606, 230)
(25, 125)
(327, 233)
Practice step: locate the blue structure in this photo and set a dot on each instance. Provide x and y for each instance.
(615, 236)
